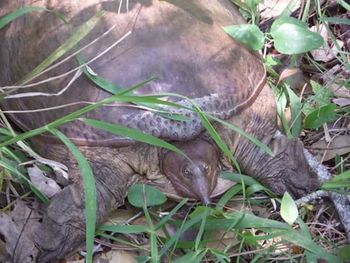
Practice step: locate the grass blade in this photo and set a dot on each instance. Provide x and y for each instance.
(131, 133)
(258, 143)
(124, 229)
(19, 12)
(76, 37)
(35, 190)
(89, 192)
(216, 137)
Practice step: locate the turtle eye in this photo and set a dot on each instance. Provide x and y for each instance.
(186, 171)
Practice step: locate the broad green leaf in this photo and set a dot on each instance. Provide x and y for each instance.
(89, 191)
(249, 35)
(289, 210)
(286, 20)
(78, 35)
(291, 36)
(320, 116)
(19, 12)
(140, 193)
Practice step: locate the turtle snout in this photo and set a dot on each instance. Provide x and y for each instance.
(201, 185)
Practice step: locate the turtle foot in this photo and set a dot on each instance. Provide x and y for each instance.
(288, 169)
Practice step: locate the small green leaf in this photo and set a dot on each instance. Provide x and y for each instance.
(318, 117)
(271, 61)
(289, 210)
(140, 193)
(249, 35)
(292, 36)
(322, 97)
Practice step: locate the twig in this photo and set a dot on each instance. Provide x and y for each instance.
(341, 202)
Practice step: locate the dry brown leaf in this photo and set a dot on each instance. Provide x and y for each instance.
(4, 257)
(273, 8)
(120, 216)
(288, 72)
(45, 184)
(342, 102)
(339, 91)
(325, 53)
(118, 256)
(222, 239)
(296, 78)
(339, 145)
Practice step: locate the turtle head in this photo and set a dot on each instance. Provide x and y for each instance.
(197, 176)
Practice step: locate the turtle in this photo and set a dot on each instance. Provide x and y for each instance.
(182, 44)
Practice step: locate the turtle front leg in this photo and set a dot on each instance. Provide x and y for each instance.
(287, 170)
(62, 227)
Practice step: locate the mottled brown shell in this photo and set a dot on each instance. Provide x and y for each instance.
(182, 43)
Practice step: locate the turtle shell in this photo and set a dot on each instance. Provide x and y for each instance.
(181, 43)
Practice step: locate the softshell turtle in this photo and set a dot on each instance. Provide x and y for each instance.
(183, 44)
